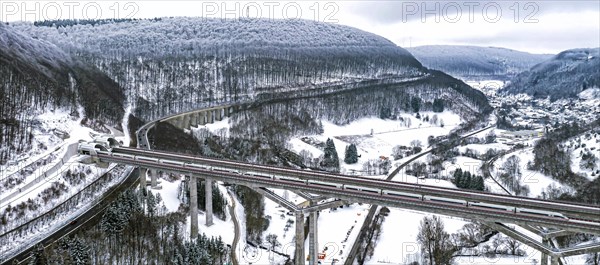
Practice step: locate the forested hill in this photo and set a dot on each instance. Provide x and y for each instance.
(37, 76)
(196, 36)
(477, 62)
(167, 65)
(565, 75)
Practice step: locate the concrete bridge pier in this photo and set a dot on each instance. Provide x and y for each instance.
(210, 118)
(299, 256)
(194, 120)
(208, 194)
(143, 173)
(544, 260)
(554, 260)
(220, 114)
(178, 122)
(186, 121)
(154, 179)
(203, 119)
(313, 243)
(193, 207)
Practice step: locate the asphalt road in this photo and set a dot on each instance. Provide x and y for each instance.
(236, 224)
(86, 219)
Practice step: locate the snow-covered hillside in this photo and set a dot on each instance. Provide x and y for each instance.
(38, 77)
(585, 150)
(185, 61)
(203, 35)
(476, 62)
(38, 54)
(565, 75)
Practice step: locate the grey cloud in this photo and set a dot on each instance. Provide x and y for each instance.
(541, 40)
(391, 11)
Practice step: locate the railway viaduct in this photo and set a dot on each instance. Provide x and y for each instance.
(301, 212)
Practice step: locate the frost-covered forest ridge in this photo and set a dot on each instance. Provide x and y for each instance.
(317, 96)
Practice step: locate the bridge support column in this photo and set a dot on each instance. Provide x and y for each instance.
(154, 179)
(553, 260)
(300, 256)
(226, 111)
(221, 114)
(186, 122)
(313, 244)
(208, 200)
(180, 124)
(544, 260)
(210, 116)
(203, 119)
(193, 207)
(143, 173)
(194, 120)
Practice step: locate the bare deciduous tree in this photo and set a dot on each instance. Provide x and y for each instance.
(435, 242)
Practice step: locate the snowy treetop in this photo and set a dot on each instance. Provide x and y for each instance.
(37, 53)
(164, 35)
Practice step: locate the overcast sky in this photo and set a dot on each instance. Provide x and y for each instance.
(534, 26)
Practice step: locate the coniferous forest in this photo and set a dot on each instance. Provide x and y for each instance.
(135, 229)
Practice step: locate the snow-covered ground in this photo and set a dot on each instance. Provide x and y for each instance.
(12, 243)
(52, 133)
(38, 179)
(482, 148)
(536, 181)
(375, 138)
(585, 145)
(338, 230)
(169, 194)
(398, 241)
(55, 132)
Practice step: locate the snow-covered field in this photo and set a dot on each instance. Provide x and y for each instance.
(375, 138)
(585, 154)
(389, 133)
(486, 84)
(536, 181)
(398, 241)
